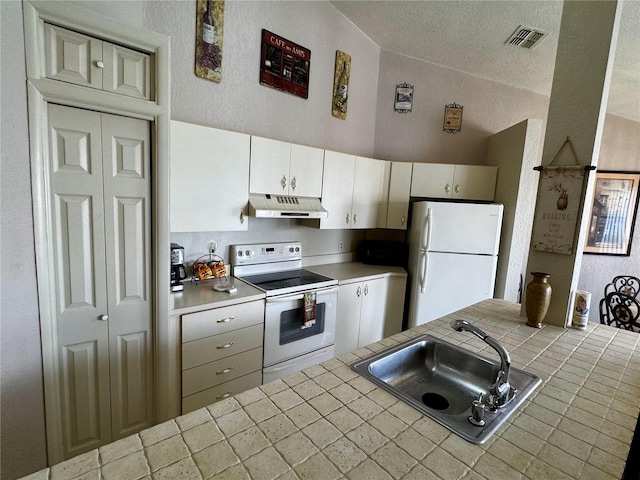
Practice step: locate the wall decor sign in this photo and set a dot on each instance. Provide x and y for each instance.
(341, 85)
(284, 65)
(404, 98)
(209, 27)
(557, 208)
(452, 118)
(613, 213)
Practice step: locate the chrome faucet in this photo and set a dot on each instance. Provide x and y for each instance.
(500, 392)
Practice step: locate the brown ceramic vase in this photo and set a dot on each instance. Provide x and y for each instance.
(537, 298)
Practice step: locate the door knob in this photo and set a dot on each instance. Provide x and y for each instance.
(283, 182)
(293, 183)
(104, 318)
(99, 64)
(447, 188)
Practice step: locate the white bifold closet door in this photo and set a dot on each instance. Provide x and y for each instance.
(99, 181)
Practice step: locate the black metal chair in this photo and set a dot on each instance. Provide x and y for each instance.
(627, 284)
(619, 309)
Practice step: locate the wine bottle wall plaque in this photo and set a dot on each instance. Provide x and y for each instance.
(209, 26)
(341, 85)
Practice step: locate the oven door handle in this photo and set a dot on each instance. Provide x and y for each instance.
(300, 296)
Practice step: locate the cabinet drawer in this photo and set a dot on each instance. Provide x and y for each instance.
(221, 320)
(220, 392)
(210, 349)
(223, 370)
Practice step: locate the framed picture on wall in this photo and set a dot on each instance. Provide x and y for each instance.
(613, 213)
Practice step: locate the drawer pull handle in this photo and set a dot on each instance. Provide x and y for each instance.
(226, 345)
(225, 320)
(224, 371)
(224, 395)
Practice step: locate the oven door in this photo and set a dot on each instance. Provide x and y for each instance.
(284, 337)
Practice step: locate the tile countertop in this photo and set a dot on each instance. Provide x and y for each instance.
(327, 422)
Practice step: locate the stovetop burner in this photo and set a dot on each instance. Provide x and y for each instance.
(276, 268)
(287, 279)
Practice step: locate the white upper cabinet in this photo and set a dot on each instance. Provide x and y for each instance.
(282, 168)
(337, 189)
(367, 192)
(396, 191)
(468, 182)
(351, 190)
(209, 179)
(83, 60)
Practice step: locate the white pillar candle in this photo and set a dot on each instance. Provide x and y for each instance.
(581, 309)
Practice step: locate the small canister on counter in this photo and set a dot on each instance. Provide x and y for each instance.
(581, 310)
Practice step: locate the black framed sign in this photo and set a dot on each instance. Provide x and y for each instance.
(404, 98)
(284, 65)
(613, 213)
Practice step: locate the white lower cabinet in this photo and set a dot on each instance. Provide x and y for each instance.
(221, 353)
(368, 311)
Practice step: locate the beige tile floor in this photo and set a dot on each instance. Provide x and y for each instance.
(327, 422)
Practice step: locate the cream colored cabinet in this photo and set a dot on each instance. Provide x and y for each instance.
(221, 353)
(351, 191)
(99, 167)
(465, 182)
(394, 213)
(83, 60)
(369, 311)
(281, 168)
(209, 181)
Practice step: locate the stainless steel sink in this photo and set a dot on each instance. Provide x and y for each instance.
(443, 381)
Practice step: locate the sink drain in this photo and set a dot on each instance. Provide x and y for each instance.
(435, 401)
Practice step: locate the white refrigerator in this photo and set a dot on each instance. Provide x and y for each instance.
(453, 255)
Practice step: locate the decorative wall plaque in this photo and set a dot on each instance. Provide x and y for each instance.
(341, 85)
(452, 118)
(209, 27)
(404, 98)
(557, 208)
(284, 65)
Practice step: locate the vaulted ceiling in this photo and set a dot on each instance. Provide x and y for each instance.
(470, 35)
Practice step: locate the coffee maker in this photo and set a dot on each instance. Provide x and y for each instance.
(178, 269)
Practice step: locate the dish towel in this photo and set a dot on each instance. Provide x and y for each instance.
(309, 310)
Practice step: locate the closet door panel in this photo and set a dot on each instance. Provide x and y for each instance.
(126, 165)
(78, 245)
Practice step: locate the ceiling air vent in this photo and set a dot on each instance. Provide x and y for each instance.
(526, 37)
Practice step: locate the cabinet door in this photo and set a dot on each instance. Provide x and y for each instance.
(270, 161)
(348, 317)
(337, 189)
(475, 182)
(209, 179)
(72, 57)
(398, 199)
(372, 313)
(434, 180)
(394, 308)
(306, 171)
(126, 71)
(367, 192)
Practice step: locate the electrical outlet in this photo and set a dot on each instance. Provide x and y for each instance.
(213, 246)
(340, 245)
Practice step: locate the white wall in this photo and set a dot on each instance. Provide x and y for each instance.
(22, 409)
(240, 103)
(489, 107)
(620, 150)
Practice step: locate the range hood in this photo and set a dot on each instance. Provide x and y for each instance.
(285, 206)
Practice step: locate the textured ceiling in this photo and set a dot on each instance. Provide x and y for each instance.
(470, 35)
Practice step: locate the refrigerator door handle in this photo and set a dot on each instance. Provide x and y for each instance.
(428, 226)
(424, 264)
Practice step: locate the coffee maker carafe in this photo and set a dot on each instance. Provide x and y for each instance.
(178, 269)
